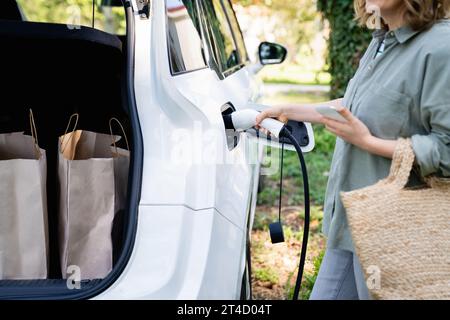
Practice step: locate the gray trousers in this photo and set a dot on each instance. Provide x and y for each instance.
(340, 278)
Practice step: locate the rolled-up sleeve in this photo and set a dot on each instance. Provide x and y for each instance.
(432, 150)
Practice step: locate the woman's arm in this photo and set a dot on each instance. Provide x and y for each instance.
(381, 147)
(304, 113)
(432, 149)
(308, 112)
(353, 131)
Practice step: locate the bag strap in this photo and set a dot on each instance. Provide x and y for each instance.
(112, 135)
(63, 145)
(402, 163)
(34, 135)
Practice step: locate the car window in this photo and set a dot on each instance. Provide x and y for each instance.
(236, 30)
(221, 37)
(107, 17)
(184, 36)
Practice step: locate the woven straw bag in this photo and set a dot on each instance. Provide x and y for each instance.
(402, 235)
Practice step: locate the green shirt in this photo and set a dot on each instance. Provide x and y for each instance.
(404, 92)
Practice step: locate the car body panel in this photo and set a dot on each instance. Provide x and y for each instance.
(181, 254)
(194, 212)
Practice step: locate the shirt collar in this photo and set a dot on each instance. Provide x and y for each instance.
(379, 33)
(405, 33)
(402, 34)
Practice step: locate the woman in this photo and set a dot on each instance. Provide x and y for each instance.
(401, 89)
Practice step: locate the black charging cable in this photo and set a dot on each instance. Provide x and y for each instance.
(287, 134)
(276, 229)
(281, 181)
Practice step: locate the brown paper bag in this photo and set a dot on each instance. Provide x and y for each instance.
(23, 210)
(121, 172)
(91, 182)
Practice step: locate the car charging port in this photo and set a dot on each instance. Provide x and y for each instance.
(232, 135)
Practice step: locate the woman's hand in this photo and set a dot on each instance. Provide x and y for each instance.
(274, 112)
(296, 112)
(353, 131)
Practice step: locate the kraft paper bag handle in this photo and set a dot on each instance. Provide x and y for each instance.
(34, 135)
(112, 135)
(63, 145)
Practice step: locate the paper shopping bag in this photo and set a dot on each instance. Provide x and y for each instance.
(23, 210)
(89, 172)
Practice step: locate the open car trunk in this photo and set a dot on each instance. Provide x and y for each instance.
(57, 71)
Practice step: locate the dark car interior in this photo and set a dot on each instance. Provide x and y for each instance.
(57, 70)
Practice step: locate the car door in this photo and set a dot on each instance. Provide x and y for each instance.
(207, 77)
(229, 60)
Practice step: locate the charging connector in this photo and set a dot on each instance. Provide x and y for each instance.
(245, 119)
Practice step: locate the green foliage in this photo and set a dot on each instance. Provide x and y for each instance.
(298, 13)
(294, 74)
(266, 275)
(109, 19)
(310, 279)
(297, 25)
(318, 163)
(290, 288)
(347, 42)
(316, 213)
(262, 220)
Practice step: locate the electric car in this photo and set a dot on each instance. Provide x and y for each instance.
(169, 70)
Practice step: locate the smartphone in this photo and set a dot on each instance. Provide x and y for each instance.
(330, 112)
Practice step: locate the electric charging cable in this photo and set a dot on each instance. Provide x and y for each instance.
(246, 119)
(286, 133)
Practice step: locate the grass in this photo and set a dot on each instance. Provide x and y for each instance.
(293, 74)
(266, 275)
(308, 282)
(293, 97)
(282, 259)
(310, 279)
(275, 267)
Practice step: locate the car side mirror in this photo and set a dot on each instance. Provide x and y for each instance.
(271, 53)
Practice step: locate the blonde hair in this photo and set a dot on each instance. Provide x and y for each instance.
(419, 14)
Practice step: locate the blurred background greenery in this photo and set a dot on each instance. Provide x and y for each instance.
(323, 39)
(75, 12)
(295, 24)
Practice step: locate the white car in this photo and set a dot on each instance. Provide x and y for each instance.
(175, 70)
